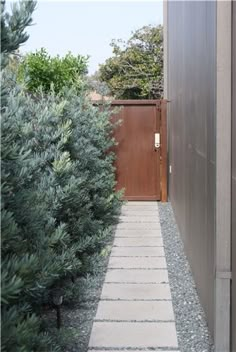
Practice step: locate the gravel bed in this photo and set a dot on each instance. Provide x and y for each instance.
(192, 331)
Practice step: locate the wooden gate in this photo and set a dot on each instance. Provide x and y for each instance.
(141, 159)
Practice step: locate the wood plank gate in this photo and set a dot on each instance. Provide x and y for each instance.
(141, 153)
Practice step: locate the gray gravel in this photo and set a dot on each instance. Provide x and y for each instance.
(192, 331)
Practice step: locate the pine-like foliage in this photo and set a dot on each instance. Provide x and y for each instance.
(37, 251)
(90, 204)
(13, 27)
(58, 198)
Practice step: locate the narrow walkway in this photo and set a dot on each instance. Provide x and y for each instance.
(135, 310)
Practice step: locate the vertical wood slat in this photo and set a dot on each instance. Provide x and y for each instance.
(163, 163)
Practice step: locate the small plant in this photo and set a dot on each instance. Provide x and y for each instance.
(40, 70)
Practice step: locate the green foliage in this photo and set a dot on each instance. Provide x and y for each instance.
(57, 196)
(58, 201)
(13, 27)
(135, 71)
(36, 249)
(40, 70)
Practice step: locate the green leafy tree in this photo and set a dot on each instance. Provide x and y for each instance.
(135, 71)
(40, 70)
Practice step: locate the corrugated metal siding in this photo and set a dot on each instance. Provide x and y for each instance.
(234, 180)
(191, 114)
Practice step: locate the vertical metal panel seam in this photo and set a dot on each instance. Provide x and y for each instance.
(233, 171)
(223, 177)
(166, 84)
(165, 37)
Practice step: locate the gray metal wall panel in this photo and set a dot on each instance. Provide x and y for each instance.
(234, 181)
(191, 115)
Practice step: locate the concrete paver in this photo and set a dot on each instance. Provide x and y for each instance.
(137, 276)
(138, 252)
(138, 219)
(135, 310)
(140, 225)
(138, 242)
(139, 291)
(137, 263)
(138, 233)
(141, 203)
(140, 212)
(133, 335)
(92, 350)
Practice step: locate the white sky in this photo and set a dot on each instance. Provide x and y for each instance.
(87, 27)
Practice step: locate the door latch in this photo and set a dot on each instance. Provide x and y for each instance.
(157, 140)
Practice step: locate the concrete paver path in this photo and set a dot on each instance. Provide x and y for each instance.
(135, 309)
